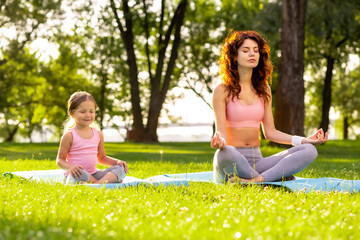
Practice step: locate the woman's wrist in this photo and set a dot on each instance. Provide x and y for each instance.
(296, 140)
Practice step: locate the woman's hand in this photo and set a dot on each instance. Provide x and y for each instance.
(218, 142)
(123, 164)
(75, 170)
(318, 138)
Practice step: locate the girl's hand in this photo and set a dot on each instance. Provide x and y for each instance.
(218, 142)
(123, 164)
(75, 170)
(318, 138)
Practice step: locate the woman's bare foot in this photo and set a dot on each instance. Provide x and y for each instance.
(236, 179)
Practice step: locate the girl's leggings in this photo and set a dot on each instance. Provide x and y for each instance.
(248, 162)
(85, 176)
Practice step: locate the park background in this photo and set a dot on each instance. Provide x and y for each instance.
(138, 58)
(152, 65)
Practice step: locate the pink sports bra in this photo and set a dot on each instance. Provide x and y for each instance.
(244, 116)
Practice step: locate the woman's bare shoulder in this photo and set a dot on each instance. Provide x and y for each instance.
(221, 89)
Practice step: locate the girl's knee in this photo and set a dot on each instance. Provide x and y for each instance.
(119, 171)
(85, 177)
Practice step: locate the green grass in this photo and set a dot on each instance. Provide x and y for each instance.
(31, 210)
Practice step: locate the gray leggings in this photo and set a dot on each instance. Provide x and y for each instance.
(248, 162)
(85, 176)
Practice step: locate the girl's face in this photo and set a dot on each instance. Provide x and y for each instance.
(248, 54)
(84, 114)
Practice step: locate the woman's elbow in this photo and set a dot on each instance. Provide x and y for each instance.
(268, 134)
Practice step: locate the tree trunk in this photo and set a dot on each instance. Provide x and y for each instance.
(160, 85)
(346, 127)
(161, 81)
(104, 79)
(128, 39)
(289, 107)
(326, 100)
(12, 133)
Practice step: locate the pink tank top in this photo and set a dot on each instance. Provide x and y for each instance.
(84, 152)
(239, 115)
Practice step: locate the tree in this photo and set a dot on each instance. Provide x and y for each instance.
(289, 104)
(333, 30)
(346, 97)
(159, 75)
(64, 76)
(28, 19)
(34, 94)
(21, 22)
(102, 54)
(20, 87)
(208, 23)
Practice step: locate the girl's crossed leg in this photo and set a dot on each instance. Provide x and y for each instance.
(113, 174)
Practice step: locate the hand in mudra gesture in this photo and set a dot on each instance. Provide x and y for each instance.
(218, 141)
(316, 139)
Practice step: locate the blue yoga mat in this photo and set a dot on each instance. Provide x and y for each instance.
(53, 176)
(299, 184)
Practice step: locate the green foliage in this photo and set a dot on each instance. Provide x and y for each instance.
(209, 22)
(92, 56)
(198, 211)
(103, 57)
(332, 31)
(331, 25)
(34, 94)
(346, 96)
(21, 87)
(64, 77)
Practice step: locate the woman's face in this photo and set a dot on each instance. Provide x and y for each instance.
(248, 54)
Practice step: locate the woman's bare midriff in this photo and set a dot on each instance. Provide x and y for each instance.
(243, 137)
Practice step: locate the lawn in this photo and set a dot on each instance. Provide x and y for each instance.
(199, 211)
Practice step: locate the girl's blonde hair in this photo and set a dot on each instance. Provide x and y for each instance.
(74, 101)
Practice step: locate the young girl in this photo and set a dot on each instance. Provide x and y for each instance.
(242, 102)
(82, 146)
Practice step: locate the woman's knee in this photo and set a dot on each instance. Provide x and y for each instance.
(310, 151)
(222, 158)
(226, 153)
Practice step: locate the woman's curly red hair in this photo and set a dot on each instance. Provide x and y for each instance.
(261, 75)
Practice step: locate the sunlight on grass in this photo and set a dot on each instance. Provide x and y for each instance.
(32, 210)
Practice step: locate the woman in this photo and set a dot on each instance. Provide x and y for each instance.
(241, 103)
